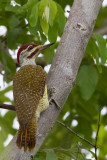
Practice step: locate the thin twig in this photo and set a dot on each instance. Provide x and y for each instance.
(75, 133)
(79, 149)
(97, 133)
(7, 106)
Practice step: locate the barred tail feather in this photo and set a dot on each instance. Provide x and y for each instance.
(27, 138)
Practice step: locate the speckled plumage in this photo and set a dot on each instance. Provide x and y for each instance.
(30, 96)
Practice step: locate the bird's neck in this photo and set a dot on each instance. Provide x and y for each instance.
(27, 61)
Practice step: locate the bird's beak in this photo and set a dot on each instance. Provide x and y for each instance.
(42, 47)
(38, 49)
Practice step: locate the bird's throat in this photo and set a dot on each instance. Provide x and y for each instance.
(27, 61)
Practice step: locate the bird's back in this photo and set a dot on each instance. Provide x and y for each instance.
(28, 89)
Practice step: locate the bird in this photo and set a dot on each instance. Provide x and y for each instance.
(30, 94)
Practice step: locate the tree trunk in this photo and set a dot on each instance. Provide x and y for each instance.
(63, 71)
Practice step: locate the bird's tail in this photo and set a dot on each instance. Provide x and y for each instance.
(27, 138)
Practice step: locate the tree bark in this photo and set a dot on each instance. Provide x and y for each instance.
(63, 71)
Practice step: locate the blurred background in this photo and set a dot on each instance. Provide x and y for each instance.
(42, 22)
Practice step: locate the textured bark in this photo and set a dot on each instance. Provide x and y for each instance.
(63, 71)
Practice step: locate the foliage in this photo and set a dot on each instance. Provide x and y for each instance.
(41, 21)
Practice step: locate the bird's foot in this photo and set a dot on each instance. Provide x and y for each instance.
(52, 91)
(53, 100)
(31, 157)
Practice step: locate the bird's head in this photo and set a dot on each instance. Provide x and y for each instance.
(28, 52)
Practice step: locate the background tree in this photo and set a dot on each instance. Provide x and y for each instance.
(85, 109)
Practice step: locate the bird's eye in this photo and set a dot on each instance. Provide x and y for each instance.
(30, 48)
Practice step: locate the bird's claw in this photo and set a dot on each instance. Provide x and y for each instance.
(52, 91)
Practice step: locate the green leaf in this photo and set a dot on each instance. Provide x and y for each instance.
(53, 33)
(21, 2)
(44, 25)
(92, 50)
(13, 36)
(44, 15)
(102, 142)
(49, 54)
(47, 13)
(52, 12)
(4, 99)
(68, 158)
(102, 47)
(27, 6)
(13, 22)
(11, 8)
(33, 30)
(44, 10)
(87, 80)
(92, 153)
(33, 18)
(43, 37)
(9, 88)
(51, 155)
(9, 65)
(6, 123)
(60, 17)
(64, 3)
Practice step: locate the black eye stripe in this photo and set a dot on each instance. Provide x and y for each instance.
(30, 48)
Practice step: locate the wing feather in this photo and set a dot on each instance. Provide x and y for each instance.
(28, 89)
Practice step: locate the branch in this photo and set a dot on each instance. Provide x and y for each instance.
(75, 133)
(97, 134)
(63, 71)
(7, 106)
(4, 47)
(102, 31)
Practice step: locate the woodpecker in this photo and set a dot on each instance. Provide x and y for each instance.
(30, 94)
